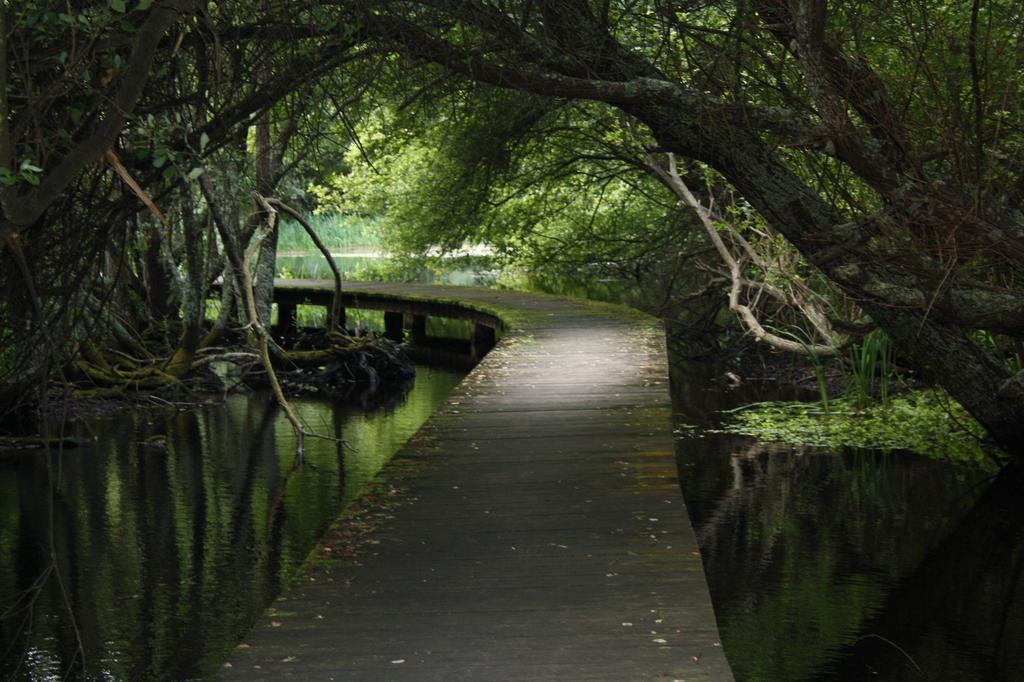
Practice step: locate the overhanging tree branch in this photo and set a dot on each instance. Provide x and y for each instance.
(674, 180)
(21, 209)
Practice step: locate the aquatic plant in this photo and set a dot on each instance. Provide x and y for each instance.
(927, 422)
(817, 365)
(868, 372)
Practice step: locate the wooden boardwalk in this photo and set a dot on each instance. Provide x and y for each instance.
(543, 535)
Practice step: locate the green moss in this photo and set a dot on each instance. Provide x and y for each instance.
(927, 422)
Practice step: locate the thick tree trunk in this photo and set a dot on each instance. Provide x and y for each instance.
(158, 279)
(949, 358)
(895, 298)
(263, 284)
(266, 263)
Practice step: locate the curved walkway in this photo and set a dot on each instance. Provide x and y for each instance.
(533, 529)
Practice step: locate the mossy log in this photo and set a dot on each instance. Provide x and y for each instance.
(109, 375)
(10, 444)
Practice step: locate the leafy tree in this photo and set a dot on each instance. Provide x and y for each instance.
(106, 254)
(882, 141)
(894, 176)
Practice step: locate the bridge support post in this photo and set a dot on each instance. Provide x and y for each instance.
(482, 341)
(287, 318)
(394, 327)
(339, 324)
(417, 326)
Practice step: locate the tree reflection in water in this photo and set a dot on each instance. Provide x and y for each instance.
(856, 565)
(173, 533)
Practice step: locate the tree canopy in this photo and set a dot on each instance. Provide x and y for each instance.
(882, 141)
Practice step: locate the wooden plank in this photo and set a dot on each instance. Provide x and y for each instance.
(540, 533)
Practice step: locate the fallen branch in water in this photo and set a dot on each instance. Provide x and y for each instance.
(35, 442)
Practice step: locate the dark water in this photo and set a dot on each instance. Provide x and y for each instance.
(857, 565)
(173, 532)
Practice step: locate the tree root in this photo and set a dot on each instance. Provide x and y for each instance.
(335, 365)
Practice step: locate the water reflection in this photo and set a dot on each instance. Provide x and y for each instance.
(853, 565)
(172, 534)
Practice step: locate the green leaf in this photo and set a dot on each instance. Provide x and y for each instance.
(143, 5)
(204, 140)
(118, 6)
(195, 173)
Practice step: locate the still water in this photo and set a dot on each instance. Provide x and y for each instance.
(852, 565)
(173, 532)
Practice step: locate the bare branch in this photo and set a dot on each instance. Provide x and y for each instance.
(745, 313)
(337, 312)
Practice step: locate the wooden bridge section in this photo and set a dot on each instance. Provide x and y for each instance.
(542, 534)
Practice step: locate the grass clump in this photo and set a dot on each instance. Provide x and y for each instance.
(927, 422)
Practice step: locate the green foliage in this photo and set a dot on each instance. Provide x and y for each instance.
(27, 172)
(311, 316)
(817, 366)
(8, 358)
(549, 183)
(927, 422)
(1009, 350)
(545, 186)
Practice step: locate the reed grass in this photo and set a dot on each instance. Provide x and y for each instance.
(339, 232)
(817, 365)
(868, 369)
